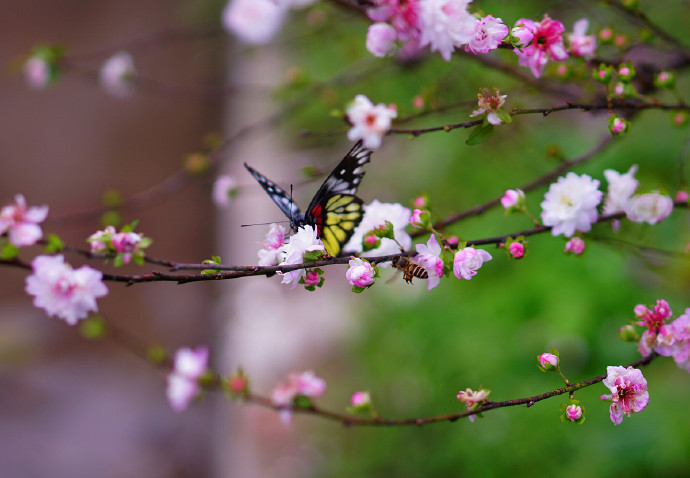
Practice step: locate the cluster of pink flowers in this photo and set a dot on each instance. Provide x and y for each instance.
(369, 122)
(127, 244)
(667, 339)
(442, 25)
(628, 392)
(61, 291)
(21, 223)
(539, 43)
(305, 384)
(183, 380)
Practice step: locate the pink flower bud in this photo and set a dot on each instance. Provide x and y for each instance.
(381, 39)
(574, 412)
(575, 246)
(416, 219)
(548, 361)
(516, 249)
(682, 196)
(312, 278)
(360, 273)
(523, 36)
(512, 198)
(418, 102)
(360, 400)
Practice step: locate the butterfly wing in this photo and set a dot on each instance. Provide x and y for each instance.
(335, 211)
(279, 196)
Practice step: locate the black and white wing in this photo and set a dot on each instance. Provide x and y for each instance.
(278, 194)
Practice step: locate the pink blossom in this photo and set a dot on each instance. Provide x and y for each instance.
(381, 39)
(117, 73)
(573, 412)
(512, 198)
(360, 273)
(548, 361)
(575, 246)
(674, 340)
(621, 188)
(312, 278)
(62, 291)
(650, 208)
(360, 400)
(376, 214)
(270, 254)
(429, 257)
(490, 104)
(516, 249)
(618, 126)
(401, 14)
(369, 123)
(37, 72)
(126, 243)
(224, 189)
(183, 380)
(488, 34)
(100, 241)
(445, 25)
(253, 21)
(416, 219)
(421, 202)
(523, 35)
(305, 240)
(468, 260)
(580, 43)
(305, 384)
(628, 392)
(547, 44)
(472, 399)
(21, 222)
(682, 196)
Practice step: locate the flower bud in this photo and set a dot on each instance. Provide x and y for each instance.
(548, 362)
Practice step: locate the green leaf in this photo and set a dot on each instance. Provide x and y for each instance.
(480, 134)
(504, 116)
(55, 244)
(93, 328)
(9, 251)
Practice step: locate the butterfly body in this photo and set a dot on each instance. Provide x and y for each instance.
(335, 210)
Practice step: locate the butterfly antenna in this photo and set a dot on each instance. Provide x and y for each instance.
(262, 223)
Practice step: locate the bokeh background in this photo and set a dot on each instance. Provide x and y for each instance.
(76, 407)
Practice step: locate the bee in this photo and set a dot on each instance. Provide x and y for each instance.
(409, 269)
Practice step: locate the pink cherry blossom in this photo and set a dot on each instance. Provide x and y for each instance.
(416, 219)
(571, 204)
(37, 72)
(467, 261)
(312, 278)
(619, 126)
(511, 198)
(628, 392)
(445, 25)
(62, 291)
(621, 188)
(472, 399)
(116, 75)
(305, 240)
(429, 257)
(490, 104)
(376, 214)
(100, 241)
(674, 340)
(360, 400)
(369, 122)
(573, 412)
(21, 222)
(575, 246)
(305, 384)
(254, 21)
(183, 380)
(523, 35)
(580, 43)
(682, 196)
(488, 34)
(224, 188)
(126, 243)
(381, 39)
(270, 254)
(402, 15)
(546, 45)
(650, 208)
(360, 273)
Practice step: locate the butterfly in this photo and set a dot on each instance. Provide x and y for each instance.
(334, 211)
